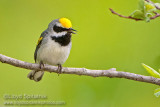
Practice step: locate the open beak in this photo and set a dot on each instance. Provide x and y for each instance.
(71, 30)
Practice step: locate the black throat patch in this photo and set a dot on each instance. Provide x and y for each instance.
(63, 40)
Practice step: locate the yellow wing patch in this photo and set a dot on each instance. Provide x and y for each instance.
(39, 40)
(65, 22)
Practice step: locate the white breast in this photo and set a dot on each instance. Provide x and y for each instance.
(52, 52)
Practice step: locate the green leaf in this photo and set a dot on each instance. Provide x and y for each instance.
(157, 92)
(149, 7)
(141, 5)
(147, 18)
(157, 4)
(138, 14)
(151, 71)
(149, 15)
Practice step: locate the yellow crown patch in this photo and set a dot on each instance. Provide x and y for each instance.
(65, 22)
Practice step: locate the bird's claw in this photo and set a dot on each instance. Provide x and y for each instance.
(59, 70)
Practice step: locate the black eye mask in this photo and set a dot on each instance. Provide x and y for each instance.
(59, 29)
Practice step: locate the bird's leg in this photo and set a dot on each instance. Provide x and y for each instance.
(59, 70)
(31, 75)
(41, 65)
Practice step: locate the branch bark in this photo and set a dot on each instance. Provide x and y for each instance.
(112, 73)
(149, 1)
(136, 19)
(127, 17)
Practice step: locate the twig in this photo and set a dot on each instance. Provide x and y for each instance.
(81, 71)
(149, 1)
(128, 17)
(156, 15)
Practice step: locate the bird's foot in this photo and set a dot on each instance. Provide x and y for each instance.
(59, 70)
(41, 65)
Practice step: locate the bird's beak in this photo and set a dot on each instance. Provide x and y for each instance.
(71, 30)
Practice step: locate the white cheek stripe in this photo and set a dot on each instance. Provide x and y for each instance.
(59, 34)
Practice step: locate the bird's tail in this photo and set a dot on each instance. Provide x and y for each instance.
(35, 75)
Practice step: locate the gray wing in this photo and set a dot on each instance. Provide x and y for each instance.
(39, 44)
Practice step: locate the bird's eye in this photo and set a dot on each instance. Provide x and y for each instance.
(59, 29)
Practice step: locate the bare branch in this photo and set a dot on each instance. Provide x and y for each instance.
(156, 15)
(128, 17)
(81, 71)
(149, 1)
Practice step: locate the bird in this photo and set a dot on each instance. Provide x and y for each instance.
(53, 46)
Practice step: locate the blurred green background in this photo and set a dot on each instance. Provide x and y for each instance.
(103, 41)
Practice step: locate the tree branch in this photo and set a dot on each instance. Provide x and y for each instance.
(81, 71)
(156, 15)
(136, 19)
(127, 17)
(149, 1)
